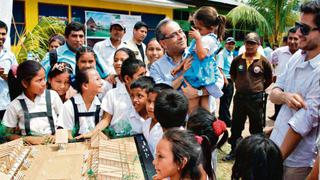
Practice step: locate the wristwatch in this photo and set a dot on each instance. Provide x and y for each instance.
(199, 92)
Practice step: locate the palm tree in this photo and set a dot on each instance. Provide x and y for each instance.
(36, 41)
(271, 17)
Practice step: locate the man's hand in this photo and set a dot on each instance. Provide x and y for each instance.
(187, 64)
(189, 91)
(294, 101)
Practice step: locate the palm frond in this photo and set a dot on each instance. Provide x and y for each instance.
(244, 15)
(36, 41)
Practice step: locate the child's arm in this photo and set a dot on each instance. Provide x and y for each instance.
(105, 121)
(33, 140)
(201, 52)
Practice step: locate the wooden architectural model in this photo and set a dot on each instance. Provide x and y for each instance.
(98, 158)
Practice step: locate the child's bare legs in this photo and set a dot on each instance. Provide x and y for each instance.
(204, 102)
(193, 104)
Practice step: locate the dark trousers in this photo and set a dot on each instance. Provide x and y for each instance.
(246, 105)
(225, 101)
(2, 114)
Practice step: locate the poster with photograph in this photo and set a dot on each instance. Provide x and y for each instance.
(98, 24)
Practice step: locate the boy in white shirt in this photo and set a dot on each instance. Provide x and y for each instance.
(139, 93)
(117, 105)
(151, 128)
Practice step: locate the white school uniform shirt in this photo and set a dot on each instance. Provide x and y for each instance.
(106, 51)
(117, 102)
(107, 86)
(67, 118)
(14, 114)
(152, 136)
(136, 122)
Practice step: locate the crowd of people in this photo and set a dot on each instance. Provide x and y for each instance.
(167, 90)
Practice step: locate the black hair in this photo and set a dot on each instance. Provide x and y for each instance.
(171, 108)
(160, 87)
(312, 7)
(130, 67)
(4, 25)
(200, 123)
(144, 82)
(81, 78)
(209, 17)
(257, 157)
(81, 51)
(57, 37)
(26, 71)
(184, 145)
(74, 26)
(158, 32)
(61, 68)
(126, 50)
(140, 24)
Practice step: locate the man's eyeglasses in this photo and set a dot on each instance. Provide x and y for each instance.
(173, 35)
(305, 29)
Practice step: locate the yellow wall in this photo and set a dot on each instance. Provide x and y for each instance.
(32, 8)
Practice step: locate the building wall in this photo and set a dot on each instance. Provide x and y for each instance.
(31, 8)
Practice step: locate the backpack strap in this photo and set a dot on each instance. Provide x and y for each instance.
(49, 112)
(53, 57)
(76, 116)
(97, 113)
(26, 116)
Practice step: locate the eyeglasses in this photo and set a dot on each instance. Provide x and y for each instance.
(305, 29)
(174, 34)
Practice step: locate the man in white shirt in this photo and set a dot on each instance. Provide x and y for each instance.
(107, 47)
(7, 59)
(140, 31)
(297, 89)
(280, 58)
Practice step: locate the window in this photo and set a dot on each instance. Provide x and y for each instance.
(52, 10)
(18, 21)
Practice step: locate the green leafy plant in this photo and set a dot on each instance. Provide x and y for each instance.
(37, 40)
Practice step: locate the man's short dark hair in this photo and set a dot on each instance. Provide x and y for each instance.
(130, 66)
(158, 32)
(171, 109)
(3, 25)
(312, 7)
(73, 26)
(140, 24)
(146, 83)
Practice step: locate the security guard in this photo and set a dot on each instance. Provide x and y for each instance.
(252, 74)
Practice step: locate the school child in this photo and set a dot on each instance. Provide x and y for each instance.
(116, 105)
(34, 112)
(257, 157)
(208, 130)
(178, 156)
(59, 79)
(55, 41)
(87, 58)
(170, 109)
(204, 71)
(151, 128)
(139, 90)
(82, 112)
(120, 55)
